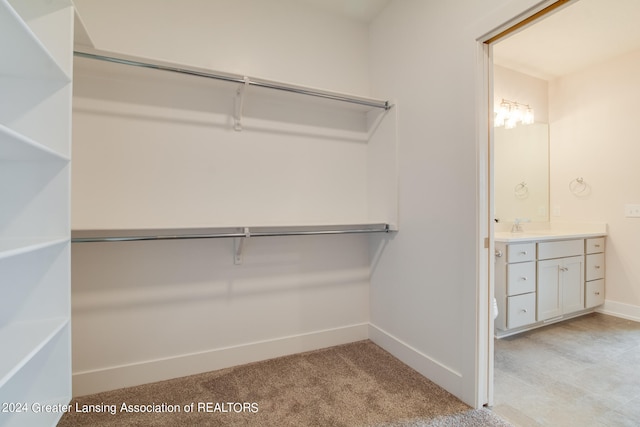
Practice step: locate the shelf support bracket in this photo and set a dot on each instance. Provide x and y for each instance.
(240, 94)
(238, 246)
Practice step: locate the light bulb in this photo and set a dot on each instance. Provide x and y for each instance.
(504, 108)
(516, 113)
(510, 123)
(510, 113)
(527, 119)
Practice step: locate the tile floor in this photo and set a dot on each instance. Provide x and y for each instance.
(581, 372)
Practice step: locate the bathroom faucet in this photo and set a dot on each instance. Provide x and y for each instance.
(517, 226)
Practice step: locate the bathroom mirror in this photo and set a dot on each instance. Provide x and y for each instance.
(521, 173)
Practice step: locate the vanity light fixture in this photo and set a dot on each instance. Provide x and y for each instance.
(510, 113)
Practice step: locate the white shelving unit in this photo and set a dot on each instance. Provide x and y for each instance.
(36, 40)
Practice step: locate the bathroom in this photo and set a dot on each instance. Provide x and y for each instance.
(571, 170)
(588, 108)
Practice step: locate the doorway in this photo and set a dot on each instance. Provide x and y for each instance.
(532, 24)
(486, 214)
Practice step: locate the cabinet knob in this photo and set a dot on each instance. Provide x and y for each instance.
(596, 267)
(564, 269)
(597, 246)
(524, 278)
(523, 252)
(597, 293)
(524, 310)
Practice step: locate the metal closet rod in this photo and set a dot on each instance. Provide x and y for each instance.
(369, 228)
(234, 79)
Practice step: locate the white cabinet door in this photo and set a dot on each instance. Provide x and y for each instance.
(572, 282)
(549, 297)
(560, 287)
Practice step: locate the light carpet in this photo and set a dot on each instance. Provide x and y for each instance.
(357, 384)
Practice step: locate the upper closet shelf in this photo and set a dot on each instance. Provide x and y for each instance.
(23, 54)
(243, 81)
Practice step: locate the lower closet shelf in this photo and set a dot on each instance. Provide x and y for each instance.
(27, 339)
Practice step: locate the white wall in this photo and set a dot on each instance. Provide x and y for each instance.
(282, 40)
(180, 163)
(145, 311)
(424, 287)
(594, 132)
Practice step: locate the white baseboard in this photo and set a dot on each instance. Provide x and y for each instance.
(111, 378)
(619, 309)
(435, 371)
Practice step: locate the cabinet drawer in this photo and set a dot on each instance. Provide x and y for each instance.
(521, 252)
(595, 267)
(521, 310)
(565, 248)
(521, 278)
(595, 245)
(594, 293)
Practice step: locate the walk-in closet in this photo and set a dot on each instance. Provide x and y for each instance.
(211, 213)
(189, 185)
(210, 218)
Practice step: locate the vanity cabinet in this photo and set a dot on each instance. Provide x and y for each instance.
(546, 279)
(560, 278)
(516, 285)
(594, 272)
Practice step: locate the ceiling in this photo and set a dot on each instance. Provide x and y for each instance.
(361, 10)
(584, 33)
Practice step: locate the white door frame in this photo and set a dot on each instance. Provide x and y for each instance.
(485, 225)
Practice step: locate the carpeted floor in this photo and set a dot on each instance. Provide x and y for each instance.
(357, 384)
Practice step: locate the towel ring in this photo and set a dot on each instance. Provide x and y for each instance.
(578, 186)
(521, 190)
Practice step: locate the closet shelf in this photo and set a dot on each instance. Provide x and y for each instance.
(26, 340)
(13, 247)
(244, 81)
(23, 54)
(15, 146)
(123, 235)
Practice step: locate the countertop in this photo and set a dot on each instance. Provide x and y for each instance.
(544, 235)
